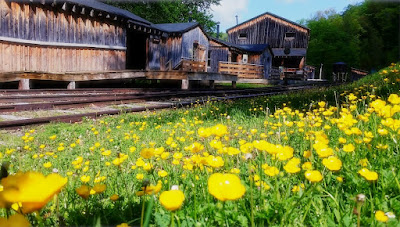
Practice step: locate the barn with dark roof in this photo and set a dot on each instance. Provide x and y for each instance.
(71, 36)
(287, 39)
(185, 48)
(248, 61)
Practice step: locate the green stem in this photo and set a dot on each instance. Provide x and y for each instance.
(252, 203)
(297, 203)
(225, 218)
(142, 215)
(172, 219)
(39, 219)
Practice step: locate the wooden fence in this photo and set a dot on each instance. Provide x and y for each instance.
(193, 66)
(244, 71)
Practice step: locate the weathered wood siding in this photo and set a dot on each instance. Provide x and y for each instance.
(20, 57)
(174, 49)
(158, 53)
(190, 37)
(35, 37)
(217, 54)
(269, 30)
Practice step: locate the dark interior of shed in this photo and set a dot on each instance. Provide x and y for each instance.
(136, 50)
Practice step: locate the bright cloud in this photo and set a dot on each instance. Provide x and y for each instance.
(225, 12)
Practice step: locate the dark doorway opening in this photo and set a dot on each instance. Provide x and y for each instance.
(136, 50)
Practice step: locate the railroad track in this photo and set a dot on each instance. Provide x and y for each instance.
(12, 101)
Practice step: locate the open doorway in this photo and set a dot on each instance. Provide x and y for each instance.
(136, 50)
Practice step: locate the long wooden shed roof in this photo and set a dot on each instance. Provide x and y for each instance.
(271, 15)
(90, 5)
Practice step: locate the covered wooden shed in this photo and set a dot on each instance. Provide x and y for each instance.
(287, 39)
(251, 61)
(71, 36)
(185, 48)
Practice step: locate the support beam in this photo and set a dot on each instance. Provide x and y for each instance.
(185, 85)
(71, 85)
(212, 84)
(23, 84)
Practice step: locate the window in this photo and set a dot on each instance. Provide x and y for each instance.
(242, 36)
(290, 35)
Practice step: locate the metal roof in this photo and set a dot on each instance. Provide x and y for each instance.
(270, 14)
(177, 27)
(255, 48)
(97, 5)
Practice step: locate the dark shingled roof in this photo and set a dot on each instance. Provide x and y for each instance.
(96, 5)
(255, 48)
(177, 27)
(271, 14)
(109, 9)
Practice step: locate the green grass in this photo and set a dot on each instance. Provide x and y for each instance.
(275, 119)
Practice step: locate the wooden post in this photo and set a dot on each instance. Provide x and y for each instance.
(212, 84)
(233, 84)
(23, 84)
(185, 84)
(71, 85)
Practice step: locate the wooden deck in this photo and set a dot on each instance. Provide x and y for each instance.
(73, 77)
(243, 71)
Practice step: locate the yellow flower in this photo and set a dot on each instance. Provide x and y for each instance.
(85, 178)
(220, 130)
(340, 179)
(150, 190)
(394, 99)
(368, 175)
(99, 188)
(271, 171)
(31, 189)
(15, 220)
(162, 173)
(292, 166)
(123, 225)
(47, 165)
(172, 200)
(381, 216)
(196, 147)
(83, 191)
(139, 176)
(53, 137)
(332, 163)
(147, 153)
(313, 175)
(114, 197)
(225, 186)
(348, 148)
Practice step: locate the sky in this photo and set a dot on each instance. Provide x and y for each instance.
(294, 10)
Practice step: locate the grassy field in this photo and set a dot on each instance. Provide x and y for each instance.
(325, 157)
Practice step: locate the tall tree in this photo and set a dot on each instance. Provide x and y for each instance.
(172, 11)
(364, 36)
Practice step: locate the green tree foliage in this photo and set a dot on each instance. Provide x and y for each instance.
(172, 11)
(365, 36)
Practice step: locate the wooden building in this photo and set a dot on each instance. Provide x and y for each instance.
(71, 36)
(288, 40)
(185, 48)
(247, 61)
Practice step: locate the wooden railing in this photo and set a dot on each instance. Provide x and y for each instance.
(274, 75)
(192, 66)
(245, 71)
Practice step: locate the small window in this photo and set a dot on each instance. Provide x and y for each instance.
(290, 35)
(242, 36)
